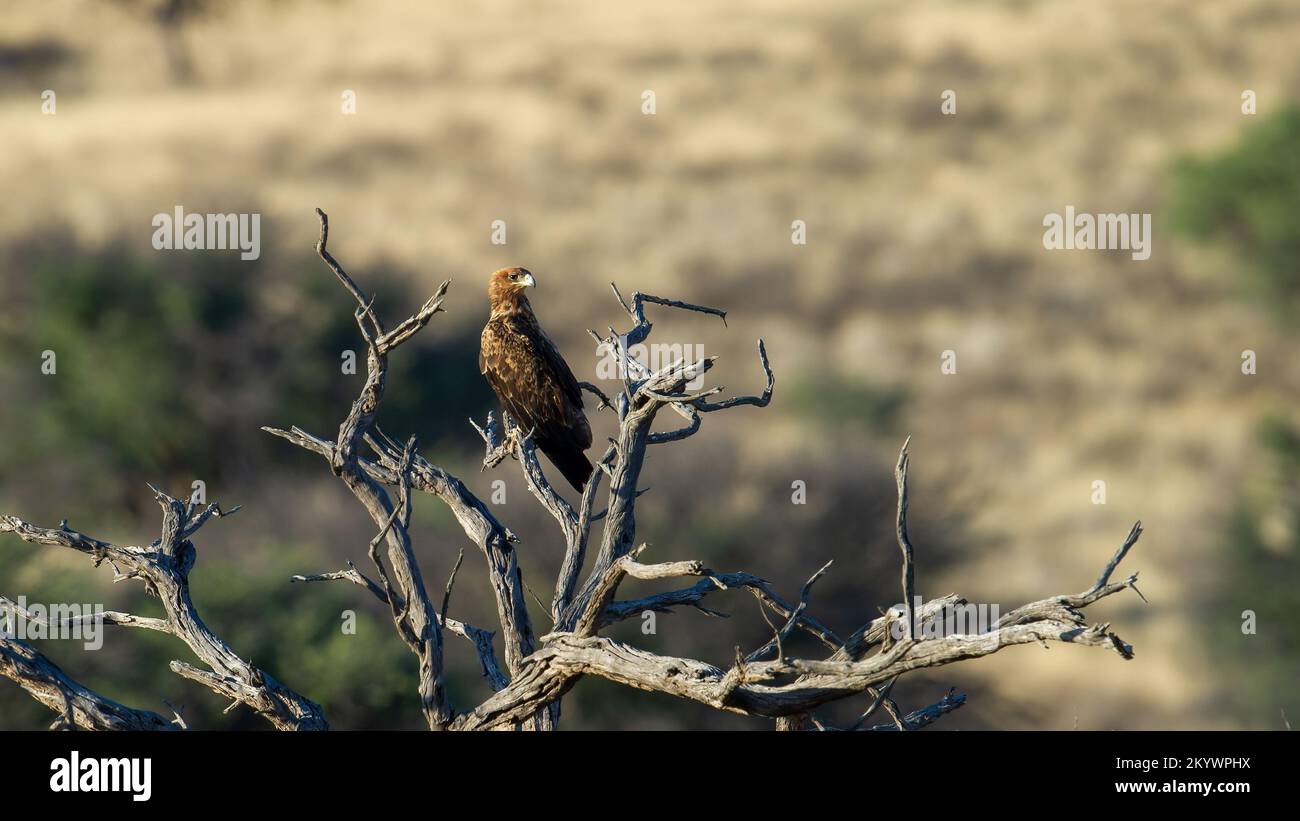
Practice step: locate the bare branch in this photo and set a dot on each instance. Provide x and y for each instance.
(451, 582)
(412, 325)
(791, 622)
(751, 688)
(638, 408)
(480, 638)
(364, 304)
(692, 596)
(76, 704)
(604, 400)
(926, 716)
(103, 617)
(415, 617)
(164, 568)
(576, 541)
(636, 311)
(904, 543)
(878, 700)
(760, 401)
(676, 435)
(493, 538)
(352, 575)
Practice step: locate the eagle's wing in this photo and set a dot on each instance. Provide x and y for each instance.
(537, 388)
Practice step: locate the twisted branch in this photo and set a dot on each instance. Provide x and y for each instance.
(164, 567)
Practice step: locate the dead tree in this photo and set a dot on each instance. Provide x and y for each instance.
(384, 475)
(164, 568)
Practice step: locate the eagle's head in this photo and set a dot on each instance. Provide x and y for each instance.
(506, 288)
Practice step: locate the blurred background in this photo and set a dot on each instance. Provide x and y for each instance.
(924, 234)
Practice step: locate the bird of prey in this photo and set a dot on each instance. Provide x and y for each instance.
(531, 379)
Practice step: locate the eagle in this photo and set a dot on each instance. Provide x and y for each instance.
(532, 381)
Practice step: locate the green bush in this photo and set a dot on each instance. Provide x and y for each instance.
(1247, 198)
(825, 398)
(1260, 572)
(168, 366)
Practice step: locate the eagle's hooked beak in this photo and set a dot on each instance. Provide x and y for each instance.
(528, 281)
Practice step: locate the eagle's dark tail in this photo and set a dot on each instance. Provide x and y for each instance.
(573, 463)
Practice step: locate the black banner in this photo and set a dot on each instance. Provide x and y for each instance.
(134, 772)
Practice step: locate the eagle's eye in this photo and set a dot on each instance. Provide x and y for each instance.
(514, 275)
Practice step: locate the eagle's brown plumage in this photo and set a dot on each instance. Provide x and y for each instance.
(531, 379)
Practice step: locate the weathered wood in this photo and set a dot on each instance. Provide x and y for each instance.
(539, 672)
(164, 568)
(76, 705)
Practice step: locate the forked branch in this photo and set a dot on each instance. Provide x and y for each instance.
(385, 476)
(164, 568)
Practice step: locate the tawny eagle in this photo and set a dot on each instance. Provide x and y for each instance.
(530, 377)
